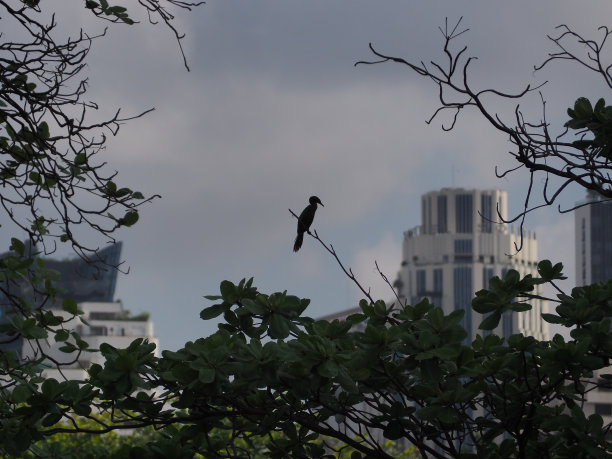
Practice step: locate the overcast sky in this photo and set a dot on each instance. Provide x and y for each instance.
(273, 111)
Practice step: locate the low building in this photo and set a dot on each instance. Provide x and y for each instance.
(91, 283)
(103, 323)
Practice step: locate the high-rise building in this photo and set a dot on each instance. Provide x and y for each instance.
(458, 248)
(593, 241)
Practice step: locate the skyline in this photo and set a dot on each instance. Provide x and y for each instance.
(274, 111)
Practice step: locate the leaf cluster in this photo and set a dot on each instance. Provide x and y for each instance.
(596, 121)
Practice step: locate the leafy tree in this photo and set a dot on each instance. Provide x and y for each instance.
(84, 445)
(274, 382)
(55, 188)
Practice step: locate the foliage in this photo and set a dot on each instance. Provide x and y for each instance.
(86, 445)
(406, 374)
(56, 190)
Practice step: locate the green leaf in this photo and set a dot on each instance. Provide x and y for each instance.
(229, 292)
(80, 159)
(394, 431)
(553, 319)
(51, 419)
(35, 177)
(30, 330)
(61, 335)
(520, 307)
(43, 130)
(491, 321)
(21, 393)
(70, 306)
(68, 348)
(129, 219)
(254, 307)
(206, 375)
(212, 311)
(49, 387)
(328, 369)
(279, 327)
(17, 246)
(512, 277)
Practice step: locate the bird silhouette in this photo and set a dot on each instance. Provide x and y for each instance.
(305, 220)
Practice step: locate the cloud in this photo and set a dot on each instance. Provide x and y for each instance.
(387, 254)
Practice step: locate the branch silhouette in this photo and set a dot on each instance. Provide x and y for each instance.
(559, 158)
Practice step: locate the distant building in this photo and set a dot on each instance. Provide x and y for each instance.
(593, 223)
(458, 248)
(92, 285)
(593, 241)
(89, 280)
(106, 323)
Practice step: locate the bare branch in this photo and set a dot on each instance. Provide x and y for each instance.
(536, 149)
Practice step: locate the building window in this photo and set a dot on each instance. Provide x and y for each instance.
(464, 213)
(605, 385)
(463, 250)
(103, 315)
(436, 294)
(98, 331)
(507, 324)
(486, 211)
(487, 275)
(421, 282)
(603, 409)
(601, 242)
(442, 223)
(429, 212)
(463, 297)
(437, 280)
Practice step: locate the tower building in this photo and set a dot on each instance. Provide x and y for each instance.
(593, 241)
(458, 248)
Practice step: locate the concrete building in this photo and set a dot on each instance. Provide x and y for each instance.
(456, 250)
(593, 242)
(106, 323)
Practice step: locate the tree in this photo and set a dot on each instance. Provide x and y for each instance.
(54, 187)
(274, 382)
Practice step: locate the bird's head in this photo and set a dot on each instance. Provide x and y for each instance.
(315, 200)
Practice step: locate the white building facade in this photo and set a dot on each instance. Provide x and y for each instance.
(593, 241)
(106, 322)
(456, 250)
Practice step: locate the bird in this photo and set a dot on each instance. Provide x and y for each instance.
(305, 220)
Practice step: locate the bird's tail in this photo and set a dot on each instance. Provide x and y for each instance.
(298, 242)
